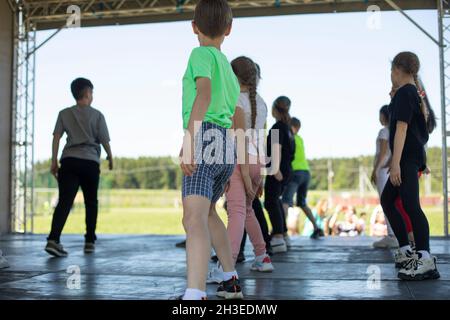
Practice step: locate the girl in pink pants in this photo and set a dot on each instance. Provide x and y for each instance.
(246, 181)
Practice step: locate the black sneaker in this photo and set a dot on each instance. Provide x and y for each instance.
(181, 244)
(89, 247)
(230, 289)
(240, 258)
(55, 249)
(317, 234)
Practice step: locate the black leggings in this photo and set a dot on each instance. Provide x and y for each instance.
(273, 189)
(259, 213)
(409, 193)
(75, 173)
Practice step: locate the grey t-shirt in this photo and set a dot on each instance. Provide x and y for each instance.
(86, 129)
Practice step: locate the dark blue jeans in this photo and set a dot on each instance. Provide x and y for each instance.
(298, 183)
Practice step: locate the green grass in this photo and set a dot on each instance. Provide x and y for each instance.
(153, 212)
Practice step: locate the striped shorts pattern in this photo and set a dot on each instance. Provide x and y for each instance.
(215, 163)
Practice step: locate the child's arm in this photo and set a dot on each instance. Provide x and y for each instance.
(242, 151)
(199, 109)
(383, 151)
(55, 149)
(399, 143)
(109, 157)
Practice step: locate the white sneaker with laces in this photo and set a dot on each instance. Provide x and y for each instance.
(417, 269)
(215, 275)
(386, 242)
(278, 245)
(401, 258)
(264, 265)
(288, 241)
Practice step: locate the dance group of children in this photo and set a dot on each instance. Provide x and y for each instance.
(223, 96)
(219, 97)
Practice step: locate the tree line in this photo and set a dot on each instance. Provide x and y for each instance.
(163, 173)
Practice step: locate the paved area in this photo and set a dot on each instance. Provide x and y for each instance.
(151, 267)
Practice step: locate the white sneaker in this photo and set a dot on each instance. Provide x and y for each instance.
(264, 265)
(3, 262)
(215, 275)
(387, 242)
(419, 269)
(401, 259)
(278, 245)
(288, 241)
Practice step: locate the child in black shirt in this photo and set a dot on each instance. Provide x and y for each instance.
(281, 148)
(409, 128)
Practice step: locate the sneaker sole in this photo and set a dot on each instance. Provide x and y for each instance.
(230, 295)
(209, 281)
(55, 253)
(430, 275)
(279, 249)
(262, 270)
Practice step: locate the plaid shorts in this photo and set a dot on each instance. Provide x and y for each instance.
(215, 163)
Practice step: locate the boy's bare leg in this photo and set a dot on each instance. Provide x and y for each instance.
(220, 240)
(310, 216)
(198, 242)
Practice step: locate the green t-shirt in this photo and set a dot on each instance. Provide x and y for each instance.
(299, 162)
(209, 62)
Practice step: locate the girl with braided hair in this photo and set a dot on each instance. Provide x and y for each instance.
(411, 122)
(250, 116)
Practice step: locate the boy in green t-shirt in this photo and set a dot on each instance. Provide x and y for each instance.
(210, 94)
(299, 181)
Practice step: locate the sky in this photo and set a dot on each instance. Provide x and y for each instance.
(333, 67)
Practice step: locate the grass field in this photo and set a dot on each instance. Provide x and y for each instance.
(152, 212)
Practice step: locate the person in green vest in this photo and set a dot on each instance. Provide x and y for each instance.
(299, 182)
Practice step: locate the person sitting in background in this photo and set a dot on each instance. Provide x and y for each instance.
(320, 216)
(378, 226)
(351, 225)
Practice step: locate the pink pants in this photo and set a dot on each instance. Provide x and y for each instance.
(241, 214)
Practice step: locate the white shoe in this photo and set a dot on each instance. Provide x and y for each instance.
(3, 262)
(401, 259)
(278, 245)
(419, 269)
(215, 275)
(387, 242)
(288, 241)
(264, 265)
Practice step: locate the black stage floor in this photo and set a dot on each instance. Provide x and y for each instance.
(151, 267)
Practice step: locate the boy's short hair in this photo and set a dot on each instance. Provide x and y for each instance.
(213, 17)
(78, 87)
(295, 122)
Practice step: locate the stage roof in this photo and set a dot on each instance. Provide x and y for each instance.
(52, 14)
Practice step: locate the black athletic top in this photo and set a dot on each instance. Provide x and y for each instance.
(287, 142)
(405, 107)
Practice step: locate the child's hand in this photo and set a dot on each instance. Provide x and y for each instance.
(54, 168)
(111, 164)
(259, 192)
(187, 165)
(427, 170)
(395, 174)
(279, 176)
(249, 187)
